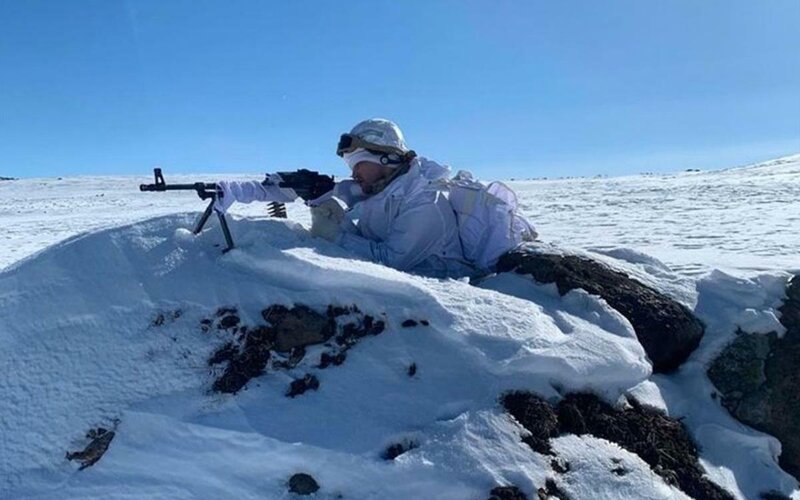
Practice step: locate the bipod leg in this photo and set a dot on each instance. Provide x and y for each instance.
(201, 222)
(223, 223)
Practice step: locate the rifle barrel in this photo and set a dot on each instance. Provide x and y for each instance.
(178, 187)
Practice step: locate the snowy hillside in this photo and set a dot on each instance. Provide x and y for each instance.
(115, 329)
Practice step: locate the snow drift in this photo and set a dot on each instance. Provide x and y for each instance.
(81, 350)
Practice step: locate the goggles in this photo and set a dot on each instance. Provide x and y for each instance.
(349, 143)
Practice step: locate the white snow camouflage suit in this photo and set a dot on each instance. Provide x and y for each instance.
(409, 225)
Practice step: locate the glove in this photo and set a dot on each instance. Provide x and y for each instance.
(325, 219)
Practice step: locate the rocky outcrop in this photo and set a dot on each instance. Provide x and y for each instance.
(667, 330)
(100, 439)
(281, 342)
(659, 440)
(302, 484)
(758, 377)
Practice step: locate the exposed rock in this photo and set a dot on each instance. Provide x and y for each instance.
(409, 323)
(163, 317)
(282, 341)
(773, 495)
(298, 327)
(560, 465)
(536, 415)
(551, 490)
(507, 493)
(757, 377)
(412, 369)
(300, 386)
(395, 450)
(327, 359)
(100, 440)
(228, 322)
(303, 484)
(667, 330)
(364, 326)
(659, 440)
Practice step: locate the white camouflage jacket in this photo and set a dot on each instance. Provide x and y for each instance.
(409, 226)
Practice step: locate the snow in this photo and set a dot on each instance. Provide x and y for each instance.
(90, 261)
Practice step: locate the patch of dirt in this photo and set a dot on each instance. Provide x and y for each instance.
(100, 440)
(659, 440)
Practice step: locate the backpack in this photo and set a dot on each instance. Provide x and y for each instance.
(488, 222)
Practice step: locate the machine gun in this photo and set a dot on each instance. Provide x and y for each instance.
(306, 184)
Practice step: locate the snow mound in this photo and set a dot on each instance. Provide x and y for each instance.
(81, 349)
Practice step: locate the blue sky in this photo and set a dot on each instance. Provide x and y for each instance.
(507, 89)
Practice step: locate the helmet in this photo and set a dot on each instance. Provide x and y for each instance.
(380, 132)
(375, 134)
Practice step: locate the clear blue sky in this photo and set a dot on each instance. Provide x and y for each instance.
(505, 88)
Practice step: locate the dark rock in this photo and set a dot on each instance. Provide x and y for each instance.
(225, 353)
(300, 386)
(619, 470)
(244, 363)
(224, 311)
(757, 377)
(412, 369)
(362, 327)
(395, 450)
(667, 330)
(536, 415)
(100, 440)
(409, 323)
(228, 321)
(424, 322)
(283, 340)
(327, 359)
(299, 326)
(559, 465)
(657, 439)
(551, 490)
(303, 484)
(507, 493)
(773, 495)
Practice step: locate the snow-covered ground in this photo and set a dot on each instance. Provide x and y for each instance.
(78, 348)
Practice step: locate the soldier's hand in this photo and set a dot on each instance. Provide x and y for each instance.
(326, 218)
